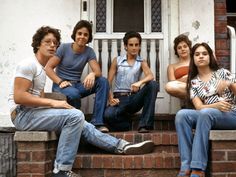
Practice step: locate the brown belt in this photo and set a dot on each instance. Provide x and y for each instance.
(13, 115)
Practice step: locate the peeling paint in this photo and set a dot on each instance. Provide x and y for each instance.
(196, 38)
(69, 26)
(196, 24)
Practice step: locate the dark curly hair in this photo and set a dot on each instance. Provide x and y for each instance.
(41, 33)
(83, 24)
(181, 38)
(131, 34)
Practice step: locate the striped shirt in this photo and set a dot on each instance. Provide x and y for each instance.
(207, 91)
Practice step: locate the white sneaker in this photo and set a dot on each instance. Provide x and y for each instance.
(139, 148)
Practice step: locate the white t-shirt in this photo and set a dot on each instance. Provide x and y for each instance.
(32, 70)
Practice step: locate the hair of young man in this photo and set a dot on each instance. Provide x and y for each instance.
(83, 24)
(181, 38)
(193, 72)
(132, 34)
(41, 33)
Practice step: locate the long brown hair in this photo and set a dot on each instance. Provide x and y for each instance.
(193, 71)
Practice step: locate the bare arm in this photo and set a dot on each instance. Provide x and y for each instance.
(232, 87)
(221, 105)
(90, 78)
(49, 68)
(23, 97)
(170, 73)
(148, 76)
(111, 75)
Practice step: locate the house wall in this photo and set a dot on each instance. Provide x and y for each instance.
(19, 20)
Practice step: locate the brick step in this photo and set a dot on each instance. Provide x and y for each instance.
(166, 137)
(161, 121)
(165, 141)
(109, 165)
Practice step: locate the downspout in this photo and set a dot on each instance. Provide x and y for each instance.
(232, 49)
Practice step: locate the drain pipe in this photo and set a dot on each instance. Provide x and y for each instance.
(232, 50)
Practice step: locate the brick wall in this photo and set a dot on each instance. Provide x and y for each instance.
(35, 153)
(222, 161)
(221, 42)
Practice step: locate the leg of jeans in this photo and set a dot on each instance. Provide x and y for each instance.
(101, 91)
(185, 121)
(145, 98)
(72, 93)
(149, 92)
(68, 122)
(208, 118)
(116, 117)
(102, 140)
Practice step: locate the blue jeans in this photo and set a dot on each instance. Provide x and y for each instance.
(194, 148)
(77, 91)
(71, 126)
(118, 116)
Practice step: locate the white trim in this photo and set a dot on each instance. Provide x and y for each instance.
(147, 16)
(109, 18)
(232, 14)
(121, 35)
(232, 49)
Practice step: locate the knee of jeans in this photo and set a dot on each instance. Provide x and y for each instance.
(72, 95)
(208, 114)
(180, 117)
(103, 81)
(107, 114)
(209, 111)
(77, 116)
(153, 85)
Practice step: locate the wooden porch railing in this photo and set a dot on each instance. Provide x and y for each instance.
(107, 49)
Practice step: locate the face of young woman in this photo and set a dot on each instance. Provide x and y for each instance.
(201, 57)
(133, 46)
(183, 50)
(81, 37)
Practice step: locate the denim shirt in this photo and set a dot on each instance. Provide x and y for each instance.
(127, 74)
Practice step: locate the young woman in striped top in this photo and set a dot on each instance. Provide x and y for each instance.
(212, 92)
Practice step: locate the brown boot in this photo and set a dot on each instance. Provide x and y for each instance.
(196, 173)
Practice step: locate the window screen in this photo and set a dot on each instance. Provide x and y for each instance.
(128, 15)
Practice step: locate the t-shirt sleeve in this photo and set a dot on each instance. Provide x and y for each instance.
(91, 54)
(193, 89)
(25, 70)
(228, 76)
(60, 51)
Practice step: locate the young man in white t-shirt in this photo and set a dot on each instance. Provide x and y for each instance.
(30, 111)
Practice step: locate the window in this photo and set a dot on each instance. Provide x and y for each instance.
(118, 16)
(128, 15)
(231, 13)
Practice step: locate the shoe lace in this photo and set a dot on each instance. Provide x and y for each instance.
(72, 174)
